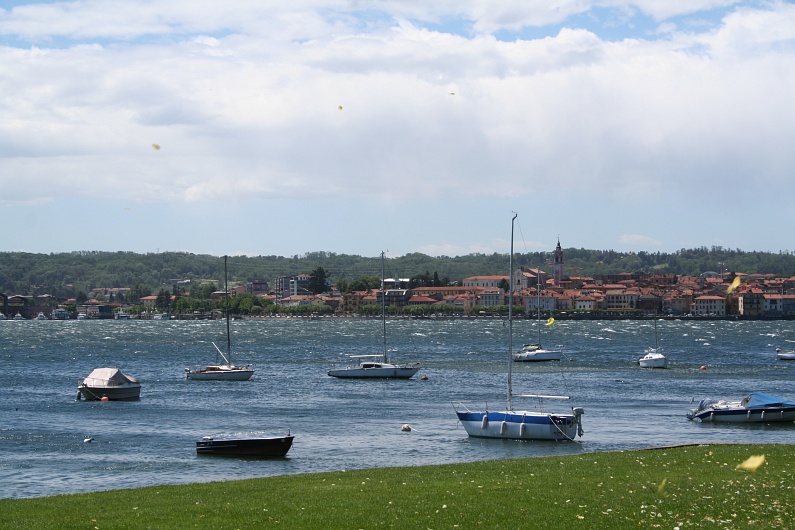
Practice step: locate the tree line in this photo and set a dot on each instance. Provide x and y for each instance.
(63, 275)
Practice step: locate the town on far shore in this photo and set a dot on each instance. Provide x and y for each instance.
(552, 293)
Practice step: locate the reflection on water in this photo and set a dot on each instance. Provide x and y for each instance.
(346, 424)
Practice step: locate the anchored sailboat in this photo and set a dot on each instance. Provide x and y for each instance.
(534, 352)
(380, 367)
(653, 358)
(520, 424)
(225, 371)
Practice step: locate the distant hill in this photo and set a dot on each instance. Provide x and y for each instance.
(62, 273)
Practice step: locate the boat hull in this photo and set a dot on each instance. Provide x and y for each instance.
(376, 372)
(231, 375)
(521, 425)
(745, 415)
(109, 383)
(758, 407)
(261, 447)
(113, 393)
(653, 361)
(536, 356)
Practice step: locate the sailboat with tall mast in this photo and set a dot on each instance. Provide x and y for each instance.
(225, 371)
(520, 424)
(380, 367)
(654, 358)
(534, 352)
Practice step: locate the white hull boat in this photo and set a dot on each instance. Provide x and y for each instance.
(535, 353)
(785, 355)
(758, 407)
(653, 359)
(220, 372)
(376, 370)
(511, 424)
(109, 384)
(225, 371)
(381, 368)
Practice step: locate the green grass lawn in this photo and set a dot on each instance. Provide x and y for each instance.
(682, 487)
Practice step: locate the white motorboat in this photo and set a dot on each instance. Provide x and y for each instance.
(225, 371)
(109, 384)
(758, 407)
(653, 358)
(520, 424)
(18, 316)
(381, 368)
(160, 316)
(41, 316)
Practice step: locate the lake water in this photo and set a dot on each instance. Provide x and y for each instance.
(351, 424)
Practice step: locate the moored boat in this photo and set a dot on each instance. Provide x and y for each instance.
(382, 367)
(654, 358)
(269, 446)
(109, 383)
(757, 407)
(520, 424)
(225, 371)
(785, 355)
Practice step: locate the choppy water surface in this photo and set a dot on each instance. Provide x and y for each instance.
(347, 424)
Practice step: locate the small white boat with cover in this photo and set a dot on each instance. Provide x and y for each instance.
(109, 383)
(757, 407)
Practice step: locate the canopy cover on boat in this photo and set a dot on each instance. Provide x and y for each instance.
(113, 376)
(761, 399)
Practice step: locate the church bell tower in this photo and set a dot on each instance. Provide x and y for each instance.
(558, 270)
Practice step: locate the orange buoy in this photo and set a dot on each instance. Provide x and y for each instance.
(424, 377)
(703, 367)
(104, 398)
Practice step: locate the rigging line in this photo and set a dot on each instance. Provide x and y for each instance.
(521, 235)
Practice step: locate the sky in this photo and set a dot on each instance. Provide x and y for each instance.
(362, 126)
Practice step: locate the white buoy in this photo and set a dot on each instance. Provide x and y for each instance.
(406, 427)
(87, 440)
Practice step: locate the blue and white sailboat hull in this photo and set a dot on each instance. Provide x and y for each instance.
(522, 425)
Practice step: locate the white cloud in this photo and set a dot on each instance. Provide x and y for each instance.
(244, 98)
(638, 241)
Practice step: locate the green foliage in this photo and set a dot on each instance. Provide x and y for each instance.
(318, 282)
(63, 275)
(683, 487)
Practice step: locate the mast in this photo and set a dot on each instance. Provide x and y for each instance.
(383, 306)
(656, 344)
(510, 320)
(538, 304)
(228, 339)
